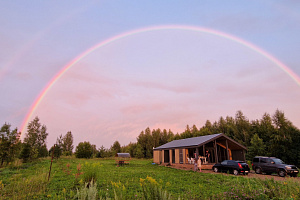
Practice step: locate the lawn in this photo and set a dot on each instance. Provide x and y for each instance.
(71, 178)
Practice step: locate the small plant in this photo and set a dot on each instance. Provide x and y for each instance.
(153, 190)
(78, 173)
(68, 170)
(119, 190)
(89, 191)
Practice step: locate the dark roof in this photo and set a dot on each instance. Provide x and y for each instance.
(196, 141)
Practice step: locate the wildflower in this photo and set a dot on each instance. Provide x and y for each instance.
(142, 181)
(151, 180)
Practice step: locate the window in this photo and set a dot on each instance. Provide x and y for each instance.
(263, 160)
(277, 161)
(224, 162)
(180, 156)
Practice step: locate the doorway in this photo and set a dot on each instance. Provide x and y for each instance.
(166, 156)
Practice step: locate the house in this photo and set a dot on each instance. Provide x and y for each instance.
(211, 148)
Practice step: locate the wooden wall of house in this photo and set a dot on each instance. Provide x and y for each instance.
(185, 156)
(238, 155)
(157, 156)
(177, 156)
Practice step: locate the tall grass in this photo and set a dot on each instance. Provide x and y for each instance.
(25, 188)
(262, 189)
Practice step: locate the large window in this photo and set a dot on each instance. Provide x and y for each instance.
(180, 156)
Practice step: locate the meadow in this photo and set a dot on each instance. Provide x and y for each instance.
(73, 178)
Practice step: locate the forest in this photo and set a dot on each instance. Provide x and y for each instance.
(272, 135)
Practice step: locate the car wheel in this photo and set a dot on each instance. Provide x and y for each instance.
(235, 172)
(216, 169)
(246, 173)
(258, 170)
(281, 173)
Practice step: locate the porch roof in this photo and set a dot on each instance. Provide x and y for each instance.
(199, 141)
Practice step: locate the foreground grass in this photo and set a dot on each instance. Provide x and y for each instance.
(79, 178)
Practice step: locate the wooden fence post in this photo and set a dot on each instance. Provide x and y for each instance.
(51, 162)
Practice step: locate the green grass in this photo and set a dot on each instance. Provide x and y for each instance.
(138, 180)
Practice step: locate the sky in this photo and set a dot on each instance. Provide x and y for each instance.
(107, 70)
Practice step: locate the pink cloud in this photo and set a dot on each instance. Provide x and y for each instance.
(163, 86)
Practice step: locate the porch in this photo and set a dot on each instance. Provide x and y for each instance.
(188, 166)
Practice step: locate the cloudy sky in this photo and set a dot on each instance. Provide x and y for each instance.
(106, 70)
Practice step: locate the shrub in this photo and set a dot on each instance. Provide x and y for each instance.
(90, 171)
(84, 150)
(25, 153)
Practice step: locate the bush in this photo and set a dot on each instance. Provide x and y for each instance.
(90, 171)
(84, 150)
(43, 151)
(25, 153)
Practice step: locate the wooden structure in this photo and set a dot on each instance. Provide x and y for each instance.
(211, 149)
(122, 158)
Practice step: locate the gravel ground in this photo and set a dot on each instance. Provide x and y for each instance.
(261, 176)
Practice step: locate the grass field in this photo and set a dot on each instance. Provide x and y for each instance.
(71, 179)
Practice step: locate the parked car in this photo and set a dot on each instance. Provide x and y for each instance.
(232, 166)
(271, 165)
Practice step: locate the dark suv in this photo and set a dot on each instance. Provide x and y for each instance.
(271, 165)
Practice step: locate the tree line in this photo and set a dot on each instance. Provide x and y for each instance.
(270, 136)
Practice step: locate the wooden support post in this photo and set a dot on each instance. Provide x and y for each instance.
(227, 152)
(197, 152)
(216, 152)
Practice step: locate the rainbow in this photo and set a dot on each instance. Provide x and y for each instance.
(43, 93)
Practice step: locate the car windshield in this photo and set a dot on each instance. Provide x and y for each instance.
(277, 161)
